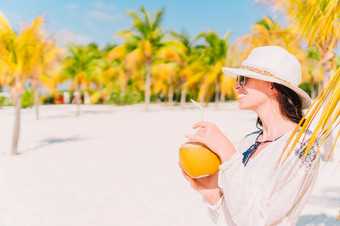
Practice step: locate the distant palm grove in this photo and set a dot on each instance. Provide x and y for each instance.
(153, 65)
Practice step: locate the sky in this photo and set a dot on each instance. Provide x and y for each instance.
(86, 21)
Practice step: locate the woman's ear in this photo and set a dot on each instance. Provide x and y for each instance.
(273, 90)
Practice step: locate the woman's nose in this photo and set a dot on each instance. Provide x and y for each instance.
(237, 85)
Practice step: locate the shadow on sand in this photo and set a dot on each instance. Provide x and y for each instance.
(50, 141)
(317, 220)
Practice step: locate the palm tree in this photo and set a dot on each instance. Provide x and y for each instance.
(146, 35)
(179, 53)
(213, 56)
(51, 78)
(265, 32)
(18, 56)
(82, 67)
(125, 62)
(318, 22)
(165, 75)
(188, 62)
(115, 74)
(45, 55)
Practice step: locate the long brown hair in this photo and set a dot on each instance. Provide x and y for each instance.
(289, 102)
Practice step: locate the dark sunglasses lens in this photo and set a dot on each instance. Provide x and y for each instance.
(241, 80)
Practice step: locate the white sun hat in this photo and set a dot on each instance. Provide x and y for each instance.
(272, 64)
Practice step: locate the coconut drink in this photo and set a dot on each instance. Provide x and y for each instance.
(197, 160)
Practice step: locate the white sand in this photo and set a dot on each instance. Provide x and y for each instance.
(119, 166)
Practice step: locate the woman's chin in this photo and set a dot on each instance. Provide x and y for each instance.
(243, 106)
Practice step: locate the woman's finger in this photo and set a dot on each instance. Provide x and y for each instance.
(201, 133)
(196, 138)
(202, 124)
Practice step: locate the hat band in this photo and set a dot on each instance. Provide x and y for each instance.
(262, 72)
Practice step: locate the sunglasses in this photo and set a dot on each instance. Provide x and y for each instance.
(241, 80)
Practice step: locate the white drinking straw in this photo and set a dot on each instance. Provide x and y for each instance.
(202, 109)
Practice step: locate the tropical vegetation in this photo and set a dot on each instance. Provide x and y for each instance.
(155, 65)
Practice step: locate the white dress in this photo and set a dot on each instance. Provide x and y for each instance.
(261, 193)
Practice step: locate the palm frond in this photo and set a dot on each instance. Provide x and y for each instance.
(134, 16)
(183, 37)
(146, 15)
(324, 112)
(157, 19)
(227, 36)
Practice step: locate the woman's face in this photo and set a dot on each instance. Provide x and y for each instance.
(254, 94)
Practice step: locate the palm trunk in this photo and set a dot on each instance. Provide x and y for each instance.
(78, 100)
(217, 93)
(147, 84)
(171, 93)
(183, 94)
(202, 97)
(36, 97)
(16, 132)
(222, 97)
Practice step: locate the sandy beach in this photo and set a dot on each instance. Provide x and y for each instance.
(119, 166)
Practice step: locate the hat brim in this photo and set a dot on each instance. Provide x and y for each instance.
(234, 72)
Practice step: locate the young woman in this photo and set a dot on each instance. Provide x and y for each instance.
(252, 187)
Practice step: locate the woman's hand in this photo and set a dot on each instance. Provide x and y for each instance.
(209, 135)
(206, 186)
